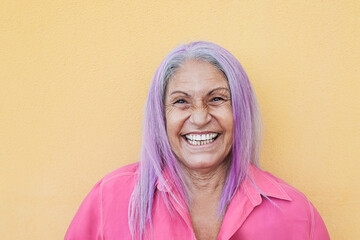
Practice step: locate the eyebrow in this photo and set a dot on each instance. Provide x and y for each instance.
(219, 88)
(174, 92)
(209, 93)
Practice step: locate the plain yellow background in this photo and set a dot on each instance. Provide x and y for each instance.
(74, 77)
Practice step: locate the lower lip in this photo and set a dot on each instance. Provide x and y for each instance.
(203, 145)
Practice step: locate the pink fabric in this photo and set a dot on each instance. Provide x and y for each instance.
(104, 212)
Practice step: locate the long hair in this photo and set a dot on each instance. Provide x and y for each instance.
(156, 153)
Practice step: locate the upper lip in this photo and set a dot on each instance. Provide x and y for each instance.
(204, 132)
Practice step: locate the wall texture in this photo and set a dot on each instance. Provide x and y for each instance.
(74, 78)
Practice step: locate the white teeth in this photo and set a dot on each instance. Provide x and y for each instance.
(200, 139)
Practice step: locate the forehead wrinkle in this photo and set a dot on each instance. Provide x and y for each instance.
(183, 86)
(184, 80)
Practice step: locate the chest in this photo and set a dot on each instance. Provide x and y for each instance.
(206, 228)
(205, 221)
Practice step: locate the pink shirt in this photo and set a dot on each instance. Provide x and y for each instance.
(104, 212)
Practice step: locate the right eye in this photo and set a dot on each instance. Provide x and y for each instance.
(180, 101)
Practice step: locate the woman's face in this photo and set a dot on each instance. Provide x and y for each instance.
(199, 117)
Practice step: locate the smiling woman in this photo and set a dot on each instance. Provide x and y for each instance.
(199, 176)
(198, 116)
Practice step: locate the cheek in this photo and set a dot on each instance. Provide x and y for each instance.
(224, 117)
(225, 120)
(174, 122)
(228, 118)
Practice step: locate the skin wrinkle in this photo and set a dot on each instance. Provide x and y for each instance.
(203, 106)
(206, 182)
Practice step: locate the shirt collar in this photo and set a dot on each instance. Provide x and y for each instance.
(258, 183)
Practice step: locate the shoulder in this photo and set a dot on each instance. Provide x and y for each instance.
(292, 202)
(115, 186)
(296, 195)
(128, 171)
(106, 203)
(277, 191)
(276, 187)
(121, 180)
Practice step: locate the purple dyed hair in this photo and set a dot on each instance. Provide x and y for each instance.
(156, 153)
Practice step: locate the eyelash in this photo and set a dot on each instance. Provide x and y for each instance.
(219, 99)
(180, 101)
(215, 99)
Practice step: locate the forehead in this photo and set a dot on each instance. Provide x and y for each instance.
(196, 75)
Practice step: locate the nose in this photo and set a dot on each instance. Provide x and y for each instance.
(200, 116)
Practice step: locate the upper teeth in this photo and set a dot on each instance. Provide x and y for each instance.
(201, 137)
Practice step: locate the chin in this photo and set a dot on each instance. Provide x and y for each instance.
(200, 164)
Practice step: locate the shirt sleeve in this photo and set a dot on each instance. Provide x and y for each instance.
(87, 221)
(318, 228)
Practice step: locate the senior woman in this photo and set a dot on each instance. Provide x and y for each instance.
(199, 175)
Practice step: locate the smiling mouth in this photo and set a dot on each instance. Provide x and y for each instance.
(201, 139)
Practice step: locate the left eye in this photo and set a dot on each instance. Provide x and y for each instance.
(216, 99)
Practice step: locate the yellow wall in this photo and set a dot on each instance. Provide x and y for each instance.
(74, 78)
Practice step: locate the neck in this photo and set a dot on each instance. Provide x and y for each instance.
(201, 183)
